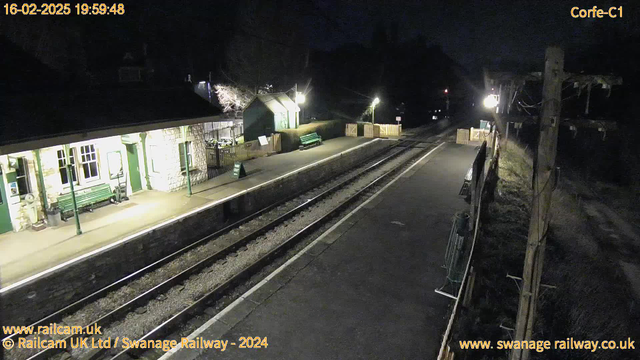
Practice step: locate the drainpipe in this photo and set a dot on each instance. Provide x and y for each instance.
(185, 128)
(43, 191)
(143, 138)
(73, 193)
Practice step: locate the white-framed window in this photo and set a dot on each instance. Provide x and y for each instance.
(89, 160)
(22, 176)
(62, 166)
(183, 166)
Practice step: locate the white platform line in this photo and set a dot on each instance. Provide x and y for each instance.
(239, 300)
(172, 220)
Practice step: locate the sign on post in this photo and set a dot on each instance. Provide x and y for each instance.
(238, 170)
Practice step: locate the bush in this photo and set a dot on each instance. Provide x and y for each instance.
(326, 129)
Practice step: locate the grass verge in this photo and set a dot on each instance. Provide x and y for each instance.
(592, 300)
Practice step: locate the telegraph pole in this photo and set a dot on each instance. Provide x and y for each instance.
(295, 99)
(542, 188)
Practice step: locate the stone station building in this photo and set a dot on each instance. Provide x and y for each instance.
(116, 136)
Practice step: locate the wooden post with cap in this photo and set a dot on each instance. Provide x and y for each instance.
(542, 189)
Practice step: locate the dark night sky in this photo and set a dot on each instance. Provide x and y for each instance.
(474, 33)
(471, 32)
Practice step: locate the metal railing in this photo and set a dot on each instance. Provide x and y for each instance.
(478, 208)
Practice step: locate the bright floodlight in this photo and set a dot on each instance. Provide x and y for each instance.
(300, 98)
(490, 101)
(375, 102)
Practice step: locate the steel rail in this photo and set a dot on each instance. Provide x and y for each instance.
(57, 316)
(164, 328)
(141, 299)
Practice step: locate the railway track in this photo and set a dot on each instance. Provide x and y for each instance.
(221, 256)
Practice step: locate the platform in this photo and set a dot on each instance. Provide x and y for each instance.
(365, 288)
(27, 253)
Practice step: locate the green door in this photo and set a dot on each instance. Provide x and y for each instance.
(5, 218)
(134, 167)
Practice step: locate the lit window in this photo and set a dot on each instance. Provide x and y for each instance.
(89, 161)
(22, 176)
(62, 165)
(182, 162)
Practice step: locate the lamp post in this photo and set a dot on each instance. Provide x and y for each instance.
(186, 157)
(73, 192)
(446, 92)
(300, 99)
(375, 102)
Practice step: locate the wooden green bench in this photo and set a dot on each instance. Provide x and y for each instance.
(310, 140)
(86, 197)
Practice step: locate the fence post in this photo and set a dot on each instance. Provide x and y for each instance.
(217, 149)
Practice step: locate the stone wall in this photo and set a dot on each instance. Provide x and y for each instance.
(163, 150)
(32, 301)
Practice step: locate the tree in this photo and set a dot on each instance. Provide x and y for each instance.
(263, 51)
(232, 98)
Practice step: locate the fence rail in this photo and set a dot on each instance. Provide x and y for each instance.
(227, 156)
(480, 185)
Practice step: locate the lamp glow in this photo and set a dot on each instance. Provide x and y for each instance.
(375, 102)
(300, 98)
(490, 101)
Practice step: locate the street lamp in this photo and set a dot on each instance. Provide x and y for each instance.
(300, 99)
(490, 101)
(375, 102)
(446, 92)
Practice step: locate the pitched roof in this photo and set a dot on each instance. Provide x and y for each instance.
(46, 115)
(277, 102)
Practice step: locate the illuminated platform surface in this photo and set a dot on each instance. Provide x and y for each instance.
(364, 290)
(29, 252)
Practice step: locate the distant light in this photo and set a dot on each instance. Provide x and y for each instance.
(434, 117)
(201, 82)
(375, 102)
(300, 98)
(446, 91)
(490, 101)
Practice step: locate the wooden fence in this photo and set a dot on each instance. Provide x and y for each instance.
(387, 130)
(473, 135)
(382, 130)
(351, 130)
(227, 156)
